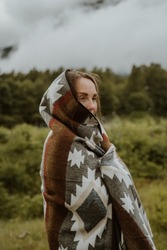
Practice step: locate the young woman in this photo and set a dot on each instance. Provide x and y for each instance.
(90, 201)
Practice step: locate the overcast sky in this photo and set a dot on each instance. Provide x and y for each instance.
(48, 34)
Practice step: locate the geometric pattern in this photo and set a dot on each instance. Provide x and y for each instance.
(117, 171)
(127, 203)
(86, 229)
(117, 175)
(52, 93)
(76, 157)
(87, 210)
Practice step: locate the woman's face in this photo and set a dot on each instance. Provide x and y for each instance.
(87, 94)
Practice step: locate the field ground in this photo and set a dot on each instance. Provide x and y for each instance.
(23, 235)
(30, 235)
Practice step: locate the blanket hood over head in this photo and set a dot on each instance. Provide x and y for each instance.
(59, 103)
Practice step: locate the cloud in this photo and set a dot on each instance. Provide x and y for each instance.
(50, 34)
(8, 32)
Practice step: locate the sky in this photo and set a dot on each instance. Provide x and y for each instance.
(71, 34)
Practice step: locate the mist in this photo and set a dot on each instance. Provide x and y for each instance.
(74, 34)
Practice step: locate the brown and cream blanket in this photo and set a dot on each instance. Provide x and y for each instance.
(90, 201)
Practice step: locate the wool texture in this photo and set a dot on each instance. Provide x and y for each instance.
(90, 200)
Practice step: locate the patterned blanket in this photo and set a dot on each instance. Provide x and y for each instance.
(90, 201)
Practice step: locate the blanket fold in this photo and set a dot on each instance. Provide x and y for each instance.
(130, 212)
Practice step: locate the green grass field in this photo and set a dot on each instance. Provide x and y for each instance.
(30, 235)
(23, 235)
(154, 197)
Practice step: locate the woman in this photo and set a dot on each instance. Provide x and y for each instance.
(90, 201)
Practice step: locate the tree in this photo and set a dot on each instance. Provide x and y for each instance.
(156, 80)
(139, 101)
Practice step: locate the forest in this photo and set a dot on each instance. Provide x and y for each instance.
(134, 115)
(143, 91)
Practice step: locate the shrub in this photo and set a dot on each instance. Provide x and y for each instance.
(142, 145)
(21, 151)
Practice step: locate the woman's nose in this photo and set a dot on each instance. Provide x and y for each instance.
(91, 106)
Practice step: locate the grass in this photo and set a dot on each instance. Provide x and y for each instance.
(23, 235)
(31, 235)
(154, 197)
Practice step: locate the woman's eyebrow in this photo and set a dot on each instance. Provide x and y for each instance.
(82, 93)
(86, 94)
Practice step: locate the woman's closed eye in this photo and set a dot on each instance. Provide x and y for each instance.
(94, 98)
(82, 98)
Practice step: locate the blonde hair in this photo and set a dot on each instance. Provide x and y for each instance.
(74, 75)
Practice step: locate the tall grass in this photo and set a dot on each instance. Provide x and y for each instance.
(23, 235)
(154, 197)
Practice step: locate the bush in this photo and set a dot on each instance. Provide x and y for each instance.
(139, 101)
(142, 145)
(31, 207)
(21, 151)
(20, 206)
(4, 135)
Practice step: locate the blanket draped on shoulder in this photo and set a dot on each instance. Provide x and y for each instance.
(90, 201)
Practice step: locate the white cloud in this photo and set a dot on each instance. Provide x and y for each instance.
(8, 33)
(52, 33)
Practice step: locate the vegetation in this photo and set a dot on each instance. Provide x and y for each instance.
(23, 235)
(142, 145)
(143, 91)
(16, 234)
(134, 109)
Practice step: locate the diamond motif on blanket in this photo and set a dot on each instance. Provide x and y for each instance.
(91, 196)
(89, 209)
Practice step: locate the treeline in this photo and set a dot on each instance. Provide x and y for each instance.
(144, 90)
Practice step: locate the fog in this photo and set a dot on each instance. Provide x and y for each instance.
(50, 34)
